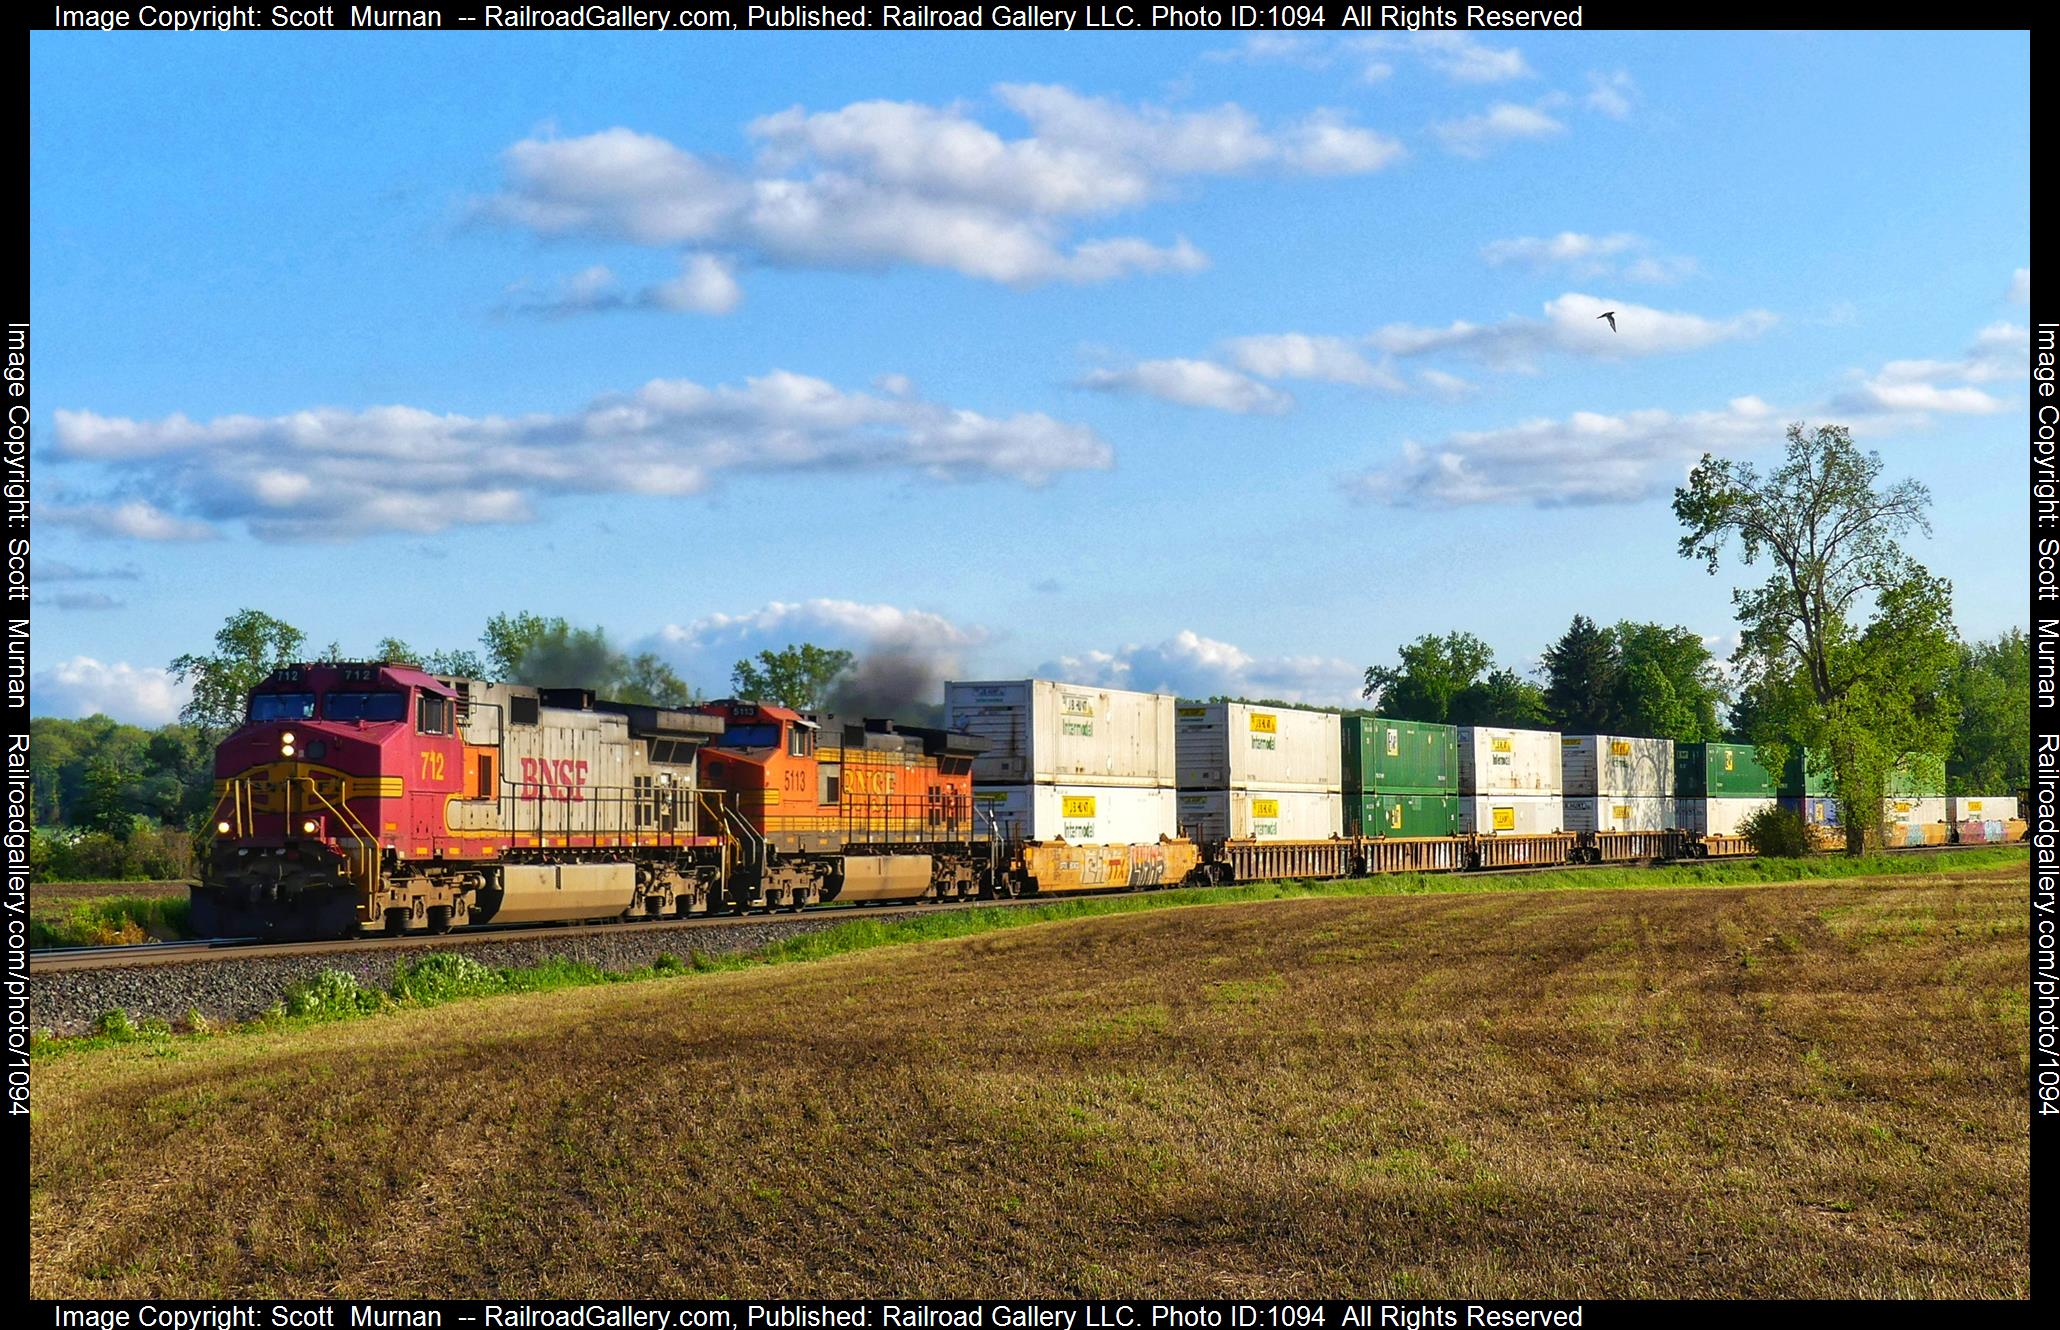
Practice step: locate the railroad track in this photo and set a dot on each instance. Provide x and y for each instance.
(60, 959)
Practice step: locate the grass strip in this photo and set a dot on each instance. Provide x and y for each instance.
(447, 976)
(108, 921)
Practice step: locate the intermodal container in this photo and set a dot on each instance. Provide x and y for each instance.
(1259, 814)
(1400, 756)
(1496, 760)
(1042, 732)
(1619, 812)
(1720, 771)
(1235, 746)
(1080, 814)
(1511, 814)
(1594, 765)
(1918, 775)
(1913, 810)
(1986, 808)
(1401, 815)
(1816, 810)
(1807, 773)
(1718, 817)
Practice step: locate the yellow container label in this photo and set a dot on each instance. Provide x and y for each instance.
(990, 797)
(1076, 805)
(1901, 806)
(1619, 747)
(1973, 805)
(1265, 723)
(1727, 759)
(1394, 817)
(1505, 819)
(1499, 745)
(1193, 713)
(1265, 808)
(1394, 743)
(1620, 812)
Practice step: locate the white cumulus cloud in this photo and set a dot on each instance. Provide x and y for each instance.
(1588, 457)
(705, 649)
(1202, 383)
(880, 183)
(1573, 326)
(1504, 122)
(335, 473)
(1621, 254)
(1191, 665)
(84, 686)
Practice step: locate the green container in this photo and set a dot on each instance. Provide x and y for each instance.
(1400, 756)
(1720, 771)
(1918, 776)
(1401, 814)
(1800, 778)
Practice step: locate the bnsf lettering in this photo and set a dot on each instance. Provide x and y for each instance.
(562, 780)
(869, 782)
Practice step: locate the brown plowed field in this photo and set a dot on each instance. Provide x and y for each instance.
(1813, 1090)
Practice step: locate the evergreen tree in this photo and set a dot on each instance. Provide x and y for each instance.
(1581, 680)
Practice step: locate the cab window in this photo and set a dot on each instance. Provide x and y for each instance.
(282, 706)
(432, 714)
(800, 741)
(749, 736)
(365, 706)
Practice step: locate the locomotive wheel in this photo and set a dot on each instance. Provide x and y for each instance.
(439, 918)
(396, 922)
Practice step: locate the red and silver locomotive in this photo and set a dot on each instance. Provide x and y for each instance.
(374, 796)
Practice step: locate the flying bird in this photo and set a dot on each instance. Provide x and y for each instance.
(1611, 315)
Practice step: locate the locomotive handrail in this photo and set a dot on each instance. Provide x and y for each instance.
(367, 847)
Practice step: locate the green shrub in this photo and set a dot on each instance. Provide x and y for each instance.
(332, 995)
(443, 975)
(1777, 833)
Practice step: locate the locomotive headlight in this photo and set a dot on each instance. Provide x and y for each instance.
(308, 826)
(286, 750)
(287, 738)
(222, 827)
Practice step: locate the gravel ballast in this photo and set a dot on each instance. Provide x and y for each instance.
(68, 1002)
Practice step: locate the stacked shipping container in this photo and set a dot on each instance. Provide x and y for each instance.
(1718, 786)
(1616, 782)
(1401, 777)
(1258, 773)
(1509, 780)
(1092, 766)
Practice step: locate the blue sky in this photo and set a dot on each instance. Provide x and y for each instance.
(1202, 361)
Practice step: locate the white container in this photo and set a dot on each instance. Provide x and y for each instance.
(1079, 814)
(1511, 814)
(1043, 732)
(1914, 811)
(1984, 808)
(1261, 814)
(1718, 817)
(1622, 812)
(1615, 764)
(1235, 746)
(1494, 760)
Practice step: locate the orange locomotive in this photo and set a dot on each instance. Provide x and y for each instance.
(831, 809)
